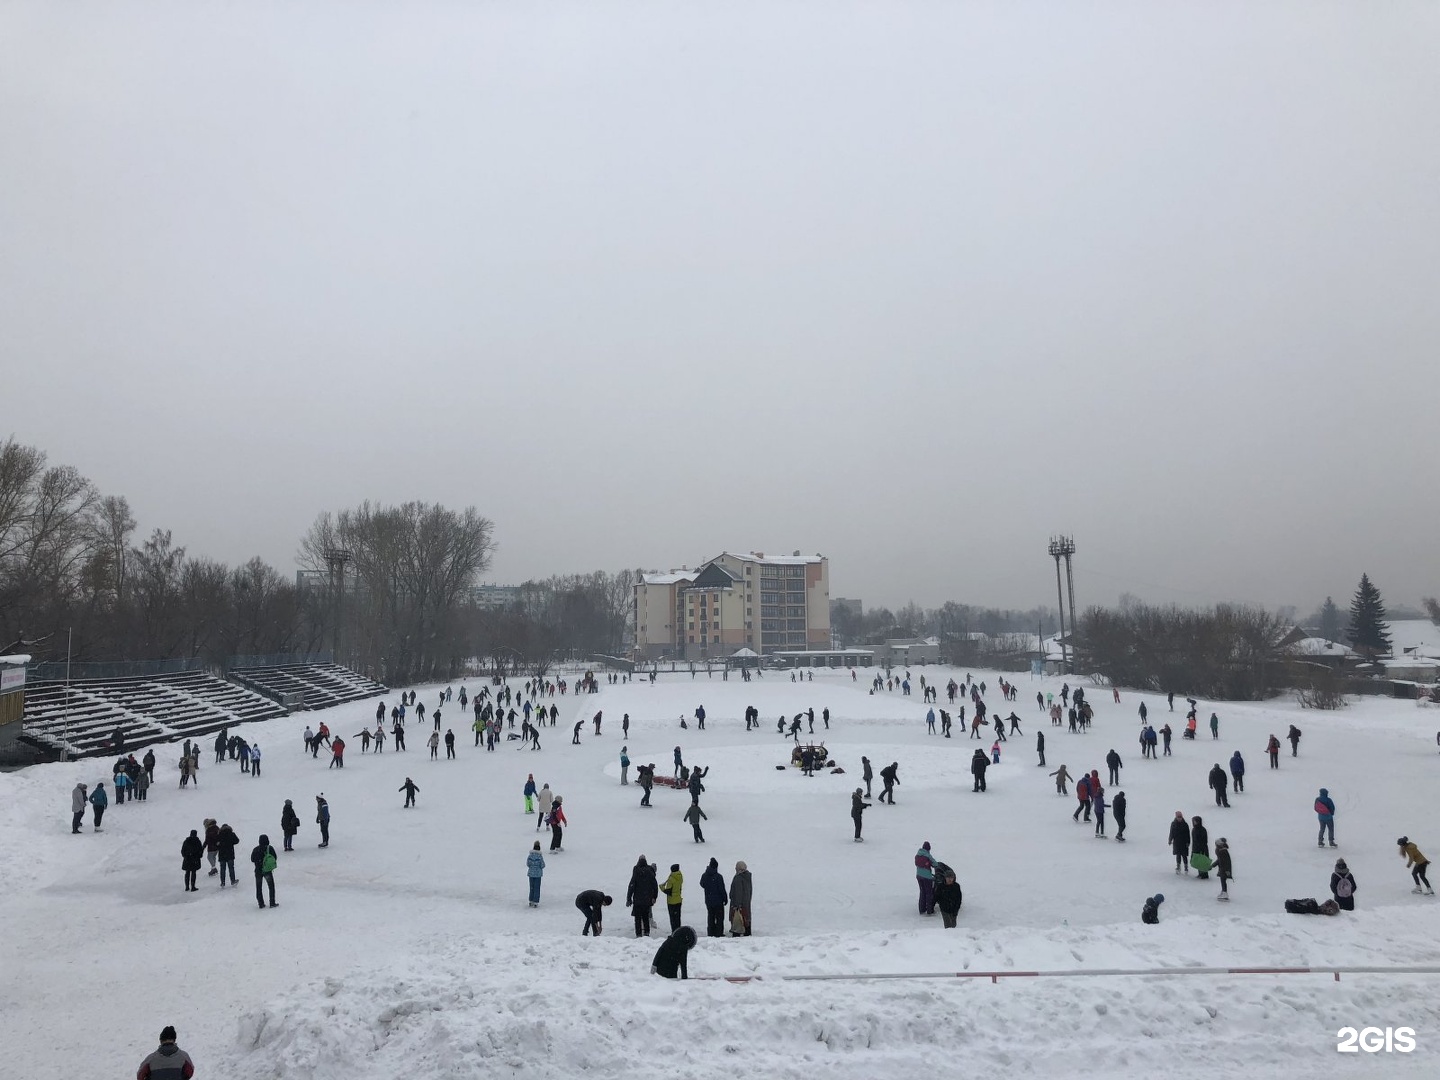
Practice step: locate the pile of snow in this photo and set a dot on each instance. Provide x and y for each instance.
(407, 945)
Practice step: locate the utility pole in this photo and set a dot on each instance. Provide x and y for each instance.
(69, 641)
(1064, 547)
(335, 560)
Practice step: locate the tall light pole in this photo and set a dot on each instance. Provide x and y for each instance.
(1064, 547)
(69, 641)
(335, 560)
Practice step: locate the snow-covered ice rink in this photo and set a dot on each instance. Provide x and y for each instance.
(407, 948)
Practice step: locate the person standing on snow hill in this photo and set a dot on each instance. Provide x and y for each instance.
(925, 878)
(1180, 843)
(1325, 811)
(1411, 854)
(1272, 747)
(168, 1062)
(693, 817)
(1214, 726)
(322, 818)
(78, 798)
(1218, 783)
(449, 744)
(929, 723)
(674, 885)
(1114, 764)
(410, 788)
(264, 859)
(529, 792)
(948, 898)
(1294, 737)
(1237, 771)
(624, 766)
(544, 801)
(98, 801)
(713, 885)
(434, 743)
(641, 895)
(289, 824)
(1342, 886)
(858, 806)
(1150, 913)
(673, 955)
(1200, 845)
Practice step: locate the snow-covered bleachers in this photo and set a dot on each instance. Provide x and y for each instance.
(321, 685)
(150, 708)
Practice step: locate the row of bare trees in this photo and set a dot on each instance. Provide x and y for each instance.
(950, 621)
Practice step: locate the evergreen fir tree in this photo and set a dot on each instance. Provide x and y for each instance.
(1330, 620)
(1367, 632)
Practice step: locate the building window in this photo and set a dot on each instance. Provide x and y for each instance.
(691, 627)
(692, 639)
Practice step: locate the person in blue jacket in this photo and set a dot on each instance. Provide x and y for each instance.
(716, 897)
(1325, 811)
(624, 766)
(99, 801)
(925, 878)
(530, 791)
(1237, 771)
(534, 869)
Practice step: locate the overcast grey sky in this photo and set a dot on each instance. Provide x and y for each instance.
(909, 284)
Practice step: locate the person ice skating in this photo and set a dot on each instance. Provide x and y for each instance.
(529, 793)
(1237, 771)
(1040, 748)
(322, 818)
(741, 893)
(1114, 764)
(625, 726)
(1219, 783)
(948, 898)
(672, 957)
(645, 777)
(858, 806)
(866, 774)
(1166, 735)
(673, 887)
(1214, 726)
(264, 859)
(434, 743)
(925, 878)
(98, 802)
(1417, 864)
(891, 776)
(409, 788)
(1272, 747)
(596, 719)
(929, 722)
(168, 1062)
(1224, 867)
(1325, 811)
(1180, 843)
(1097, 804)
(1150, 911)
(557, 821)
(624, 766)
(1342, 886)
(289, 825)
(1294, 737)
(78, 799)
(592, 904)
(1117, 810)
(575, 740)
(1082, 799)
(979, 763)
(640, 895)
(679, 762)
(693, 817)
(1200, 848)
(716, 897)
(449, 744)
(544, 801)
(337, 753)
(697, 788)
(995, 752)
(1062, 780)
(190, 854)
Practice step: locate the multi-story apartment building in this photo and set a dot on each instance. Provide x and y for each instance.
(732, 602)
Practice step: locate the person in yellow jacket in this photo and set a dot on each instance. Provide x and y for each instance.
(1414, 859)
(671, 889)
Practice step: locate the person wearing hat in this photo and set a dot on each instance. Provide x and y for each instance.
(212, 835)
(264, 859)
(168, 1062)
(1342, 886)
(99, 801)
(1222, 862)
(925, 878)
(641, 894)
(716, 897)
(741, 892)
(534, 871)
(78, 798)
(322, 818)
(190, 852)
(1411, 854)
(674, 885)
(671, 958)
(1150, 913)
(948, 898)
(289, 825)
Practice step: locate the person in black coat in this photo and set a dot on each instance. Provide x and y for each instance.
(258, 855)
(592, 903)
(858, 806)
(191, 852)
(1219, 782)
(978, 764)
(1117, 811)
(1180, 842)
(1040, 747)
(1342, 886)
(716, 897)
(1199, 842)
(641, 895)
(673, 955)
(948, 898)
(289, 824)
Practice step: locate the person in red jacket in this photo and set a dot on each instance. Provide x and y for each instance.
(168, 1062)
(337, 749)
(557, 823)
(1082, 793)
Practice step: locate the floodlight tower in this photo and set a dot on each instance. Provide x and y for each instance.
(1064, 547)
(335, 560)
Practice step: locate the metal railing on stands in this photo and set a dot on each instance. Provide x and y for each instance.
(996, 976)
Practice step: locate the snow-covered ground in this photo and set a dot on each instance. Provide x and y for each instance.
(407, 947)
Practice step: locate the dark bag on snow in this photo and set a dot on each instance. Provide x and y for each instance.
(1308, 906)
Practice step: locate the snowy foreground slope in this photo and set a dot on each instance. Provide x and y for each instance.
(406, 947)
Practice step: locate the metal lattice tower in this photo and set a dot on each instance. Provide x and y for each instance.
(1064, 547)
